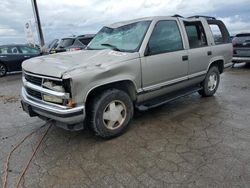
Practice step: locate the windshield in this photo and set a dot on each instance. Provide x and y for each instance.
(125, 38)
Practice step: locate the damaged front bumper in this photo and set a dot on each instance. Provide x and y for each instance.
(66, 117)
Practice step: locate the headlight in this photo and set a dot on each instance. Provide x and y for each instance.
(53, 85)
(53, 99)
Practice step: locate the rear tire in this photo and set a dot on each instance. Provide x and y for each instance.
(3, 70)
(112, 112)
(210, 83)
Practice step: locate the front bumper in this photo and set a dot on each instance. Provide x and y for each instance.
(241, 59)
(65, 115)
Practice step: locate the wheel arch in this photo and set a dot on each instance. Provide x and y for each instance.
(4, 65)
(219, 62)
(127, 86)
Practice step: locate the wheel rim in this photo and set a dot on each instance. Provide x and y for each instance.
(114, 115)
(2, 70)
(212, 82)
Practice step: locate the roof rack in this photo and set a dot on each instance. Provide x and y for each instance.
(177, 15)
(200, 16)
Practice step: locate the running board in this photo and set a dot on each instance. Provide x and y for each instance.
(167, 98)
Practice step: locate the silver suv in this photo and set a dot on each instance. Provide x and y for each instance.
(136, 64)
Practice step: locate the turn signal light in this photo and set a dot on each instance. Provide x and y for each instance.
(70, 103)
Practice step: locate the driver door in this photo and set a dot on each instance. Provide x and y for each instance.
(165, 63)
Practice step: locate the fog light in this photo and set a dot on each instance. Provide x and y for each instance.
(53, 99)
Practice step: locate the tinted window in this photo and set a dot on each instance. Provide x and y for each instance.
(196, 34)
(28, 50)
(242, 40)
(85, 41)
(165, 37)
(9, 50)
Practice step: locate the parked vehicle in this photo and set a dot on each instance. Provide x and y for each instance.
(50, 47)
(73, 43)
(140, 64)
(12, 56)
(241, 50)
(80, 42)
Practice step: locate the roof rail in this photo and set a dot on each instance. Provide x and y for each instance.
(177, 15)
(200, 16)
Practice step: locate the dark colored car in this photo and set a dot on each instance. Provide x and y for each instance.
(241, 44)
(73, 43)
(12, 56)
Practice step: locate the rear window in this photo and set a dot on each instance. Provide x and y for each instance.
(218, 39)
(243, 35)
(66, 42)
(219, 31)
(242, 40)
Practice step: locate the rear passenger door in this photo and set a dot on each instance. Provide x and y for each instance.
(199, 51)
(165, 62)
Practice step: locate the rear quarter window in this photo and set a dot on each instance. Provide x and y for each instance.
(219, 31)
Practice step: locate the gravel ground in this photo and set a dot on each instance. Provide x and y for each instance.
(191, 142)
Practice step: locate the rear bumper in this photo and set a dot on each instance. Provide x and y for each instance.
(35, 107)
(241, 59)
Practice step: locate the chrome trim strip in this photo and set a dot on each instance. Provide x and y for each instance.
(39, 76)
(197, 74)
(44, 90)
(164, 84)
(53, 109)
(45, 102)
(157, 86)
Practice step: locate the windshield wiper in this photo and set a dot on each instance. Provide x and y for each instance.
(112, 46)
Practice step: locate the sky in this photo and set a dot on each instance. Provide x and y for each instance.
(62, 18)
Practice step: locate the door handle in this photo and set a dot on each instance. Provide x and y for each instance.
(209, 53)
(26, 56)
(3, 56)
(185, 58)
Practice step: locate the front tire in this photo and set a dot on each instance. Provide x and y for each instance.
(112, 111)
(3, 70)
(211, 82)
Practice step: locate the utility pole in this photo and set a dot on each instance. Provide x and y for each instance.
(38, 23)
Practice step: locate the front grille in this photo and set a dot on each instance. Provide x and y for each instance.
(34, 93)
(33, 79)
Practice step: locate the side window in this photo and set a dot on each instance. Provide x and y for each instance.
(165, 38)
(220, 33)
(9, 50)
(28, 50)
(196, 34)
(4, 50)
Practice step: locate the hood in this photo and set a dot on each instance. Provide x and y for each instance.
(56, 65)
